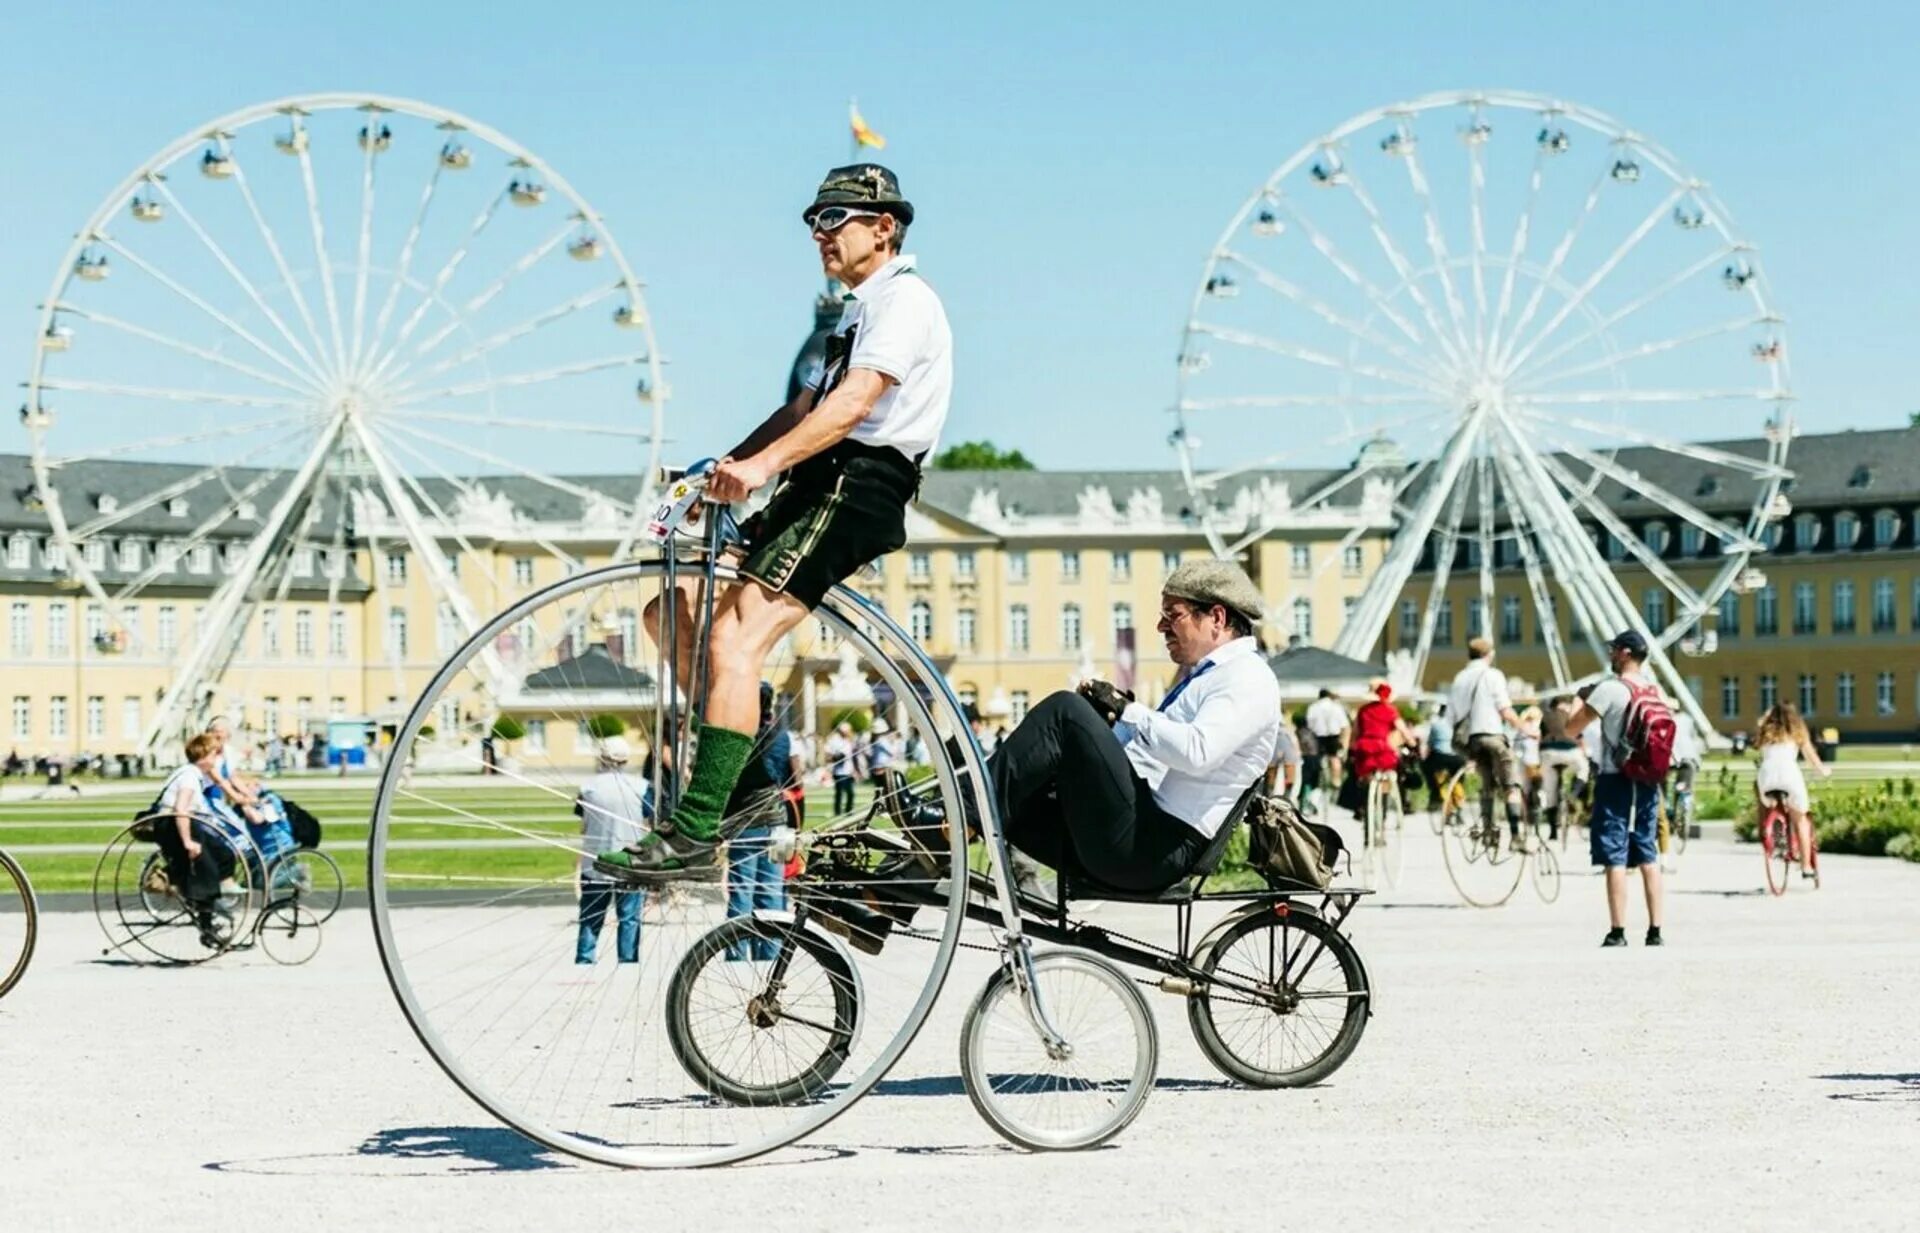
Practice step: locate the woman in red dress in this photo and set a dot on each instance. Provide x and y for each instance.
(1374, 728)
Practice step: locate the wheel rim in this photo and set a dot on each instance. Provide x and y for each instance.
(19, 923)
(1274, 1027)
(1050, 1102)
(146, 920)
(531, 1039)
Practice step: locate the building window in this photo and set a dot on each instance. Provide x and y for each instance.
(1443, 623)
(536, 736)
(1303, 620)
(1729, 624)
(200, 559)
(1769, 692)
(1846, 530)
(19, 552)
(1122, 620)
(1301, 560)
(57, 717)
(1806, 616)
(167, 554)
(20, 629)
(1883, 694)
(920, 566)
(1169, 561)
(1017, 710)
(1692, 539)
(130, 555)
(1766, 611)
(270, 716)
(1809, 695)
(1883, 607)
(303, 633)
(965, 629)
(963, 565)
(1351, 560)
(1653, 608)
(1017, 565)
(523, 571)
(1476, 618)
(1656, 537)
(337, 633)
(95, 554)
(396, 567)
(58, 615)
(920, 621)
(1616, 551)
(1806, 532)
(270, 633)
(1409, 621)
(336, 707)
(453, 564)
(1070, 627)
(302, 564)
(446, 628)
(22, 717)
(1886, 528)
(1122, 566)
(1348, 607)
(397, 633)
(1771, 536)
(1019, 629)
(1729, 697)
(1069, 565)
(130, 718)
(96, 717)
(1842, 606)
(1843, 695)
(167, 629)
(94, 627)
(1510, 618)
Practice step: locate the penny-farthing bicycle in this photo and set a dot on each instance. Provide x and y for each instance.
(19, 923)
(730, 1036)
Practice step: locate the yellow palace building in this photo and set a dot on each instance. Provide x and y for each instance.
(1018, 582)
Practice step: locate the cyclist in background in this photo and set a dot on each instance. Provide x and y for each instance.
(1563, 763)
(1688, 749)
(1783, 740)
(1327, 719)
(1442, 762)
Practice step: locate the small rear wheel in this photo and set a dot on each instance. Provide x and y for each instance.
(311, 878)
(1283, 1001)
(289, 932)
(1060, 1099)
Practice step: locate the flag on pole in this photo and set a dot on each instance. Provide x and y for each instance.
(862, 134)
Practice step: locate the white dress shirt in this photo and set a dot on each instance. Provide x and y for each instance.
(1328, 717)
(899, 329)
(1212, 741)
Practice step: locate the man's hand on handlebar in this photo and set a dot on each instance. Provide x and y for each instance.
(1107, 698)
(735, 479)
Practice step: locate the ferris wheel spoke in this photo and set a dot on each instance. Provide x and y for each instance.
(163, 393)
(1437, 245)
(1617, 527)
(494, 460)
(361, 267)
(226, 322)
(318, 230)
(1658, 346)
(1599, 276)
(514, 333)
(1597, 328)
(274, 250)
(1524, 534)
(1477, 229)
(1309, 355)
(1522, 236)
(1255, 401)
(1568, 548)
(1443, 552)
(1326, 312)
(180, 487)
(1409, 277)
(186, 348)
(439, 283)
(1645, 489)
(1549, 276)
(1483, 468)
(448, 523)
(404, 264)
(465, 311)
(500, 421)
(225, 432)
(201, 532)
(1764, 467)
(513, 380)
(1559, 398)
(1214, 478)
(1325, 246)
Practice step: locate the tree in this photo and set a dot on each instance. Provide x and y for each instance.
(980, 456)
(508, 729)
(600, 727)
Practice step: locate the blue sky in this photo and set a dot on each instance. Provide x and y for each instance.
(1072, 163)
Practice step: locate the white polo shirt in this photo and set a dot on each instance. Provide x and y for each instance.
(897, 327)
(1479, 695)
(1211, 742)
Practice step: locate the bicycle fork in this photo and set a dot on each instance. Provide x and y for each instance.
(1016, 955)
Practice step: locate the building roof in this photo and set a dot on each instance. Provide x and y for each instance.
(1312, 665)
(593, 669)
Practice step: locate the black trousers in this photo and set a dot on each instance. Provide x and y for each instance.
(1070, 799)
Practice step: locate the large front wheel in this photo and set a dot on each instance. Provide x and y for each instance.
(591, 1017)
(19, 923)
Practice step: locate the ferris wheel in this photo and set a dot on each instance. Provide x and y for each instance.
(332, 322)
(1506, 318)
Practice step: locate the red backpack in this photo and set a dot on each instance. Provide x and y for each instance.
(1645, 751)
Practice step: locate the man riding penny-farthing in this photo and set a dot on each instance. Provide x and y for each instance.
(728, 1037)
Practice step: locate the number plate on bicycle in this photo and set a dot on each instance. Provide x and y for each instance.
(677, 508)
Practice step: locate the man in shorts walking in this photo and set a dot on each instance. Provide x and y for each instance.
(1624, 829)
(1480, 705)
(850, 446)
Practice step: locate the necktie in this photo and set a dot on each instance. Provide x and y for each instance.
(1185, 681)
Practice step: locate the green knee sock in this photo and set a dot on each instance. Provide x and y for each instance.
(717, 766)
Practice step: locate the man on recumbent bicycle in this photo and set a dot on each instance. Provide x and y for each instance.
(850, 446)
(1131, 795)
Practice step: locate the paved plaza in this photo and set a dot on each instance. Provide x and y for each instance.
(1762, 1071)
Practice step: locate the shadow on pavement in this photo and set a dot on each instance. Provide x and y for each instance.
(1901, 1086)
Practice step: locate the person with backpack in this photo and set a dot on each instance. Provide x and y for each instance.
(1636, 749)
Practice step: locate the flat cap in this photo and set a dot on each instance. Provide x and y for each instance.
(1217, 582)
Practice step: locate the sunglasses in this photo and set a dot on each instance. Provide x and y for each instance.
(833, 218)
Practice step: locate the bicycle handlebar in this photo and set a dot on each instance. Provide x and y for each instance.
(684, 491)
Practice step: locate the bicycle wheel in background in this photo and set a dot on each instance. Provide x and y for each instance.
(313, 878)
(681, 1057)
(19, 923)
(149, 919)
(1543, 863)
(1776, 846)
(1682, 824)
(1480, 859)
